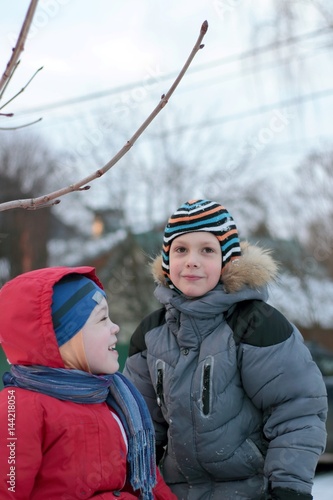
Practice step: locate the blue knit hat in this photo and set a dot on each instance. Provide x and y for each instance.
(202, 215)
(74, 298)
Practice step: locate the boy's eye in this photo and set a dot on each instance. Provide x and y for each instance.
(180, 249)
(208, 250)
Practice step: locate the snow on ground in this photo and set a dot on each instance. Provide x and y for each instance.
(323, 487)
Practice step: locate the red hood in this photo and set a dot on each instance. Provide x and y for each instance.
(26, 330)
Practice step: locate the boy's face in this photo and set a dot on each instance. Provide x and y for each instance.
(99, 338)
(195, 263)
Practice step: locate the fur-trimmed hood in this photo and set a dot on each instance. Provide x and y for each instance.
(255, 268)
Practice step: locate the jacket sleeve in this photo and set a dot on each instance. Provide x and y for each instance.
(20, 443)
(283, 381)
(287, 494)
(137, 341)
(136, 369)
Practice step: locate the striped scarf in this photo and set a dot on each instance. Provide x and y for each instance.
(118, 392)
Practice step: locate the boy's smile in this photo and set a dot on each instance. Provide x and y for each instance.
(195, 263)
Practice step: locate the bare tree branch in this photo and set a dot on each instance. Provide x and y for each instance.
(8, 80)
(19, 47)
(22, 89)
(13, 64)
(46, 200)
(19, 126)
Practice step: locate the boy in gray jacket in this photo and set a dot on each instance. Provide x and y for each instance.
(238, 404)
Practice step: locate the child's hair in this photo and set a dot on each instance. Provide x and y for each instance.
(202, 215)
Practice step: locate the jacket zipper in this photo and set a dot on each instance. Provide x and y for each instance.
(159, 383)
(205, 396)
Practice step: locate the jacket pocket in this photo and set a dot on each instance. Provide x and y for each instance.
(160, 367)
(206, 386)
(246, 461)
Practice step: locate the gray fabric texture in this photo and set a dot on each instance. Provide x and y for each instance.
(263, 421)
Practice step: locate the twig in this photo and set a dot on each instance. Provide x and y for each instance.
(9, 79)
(20, 126)
(47, 200)
(22, 89)
(19, 47)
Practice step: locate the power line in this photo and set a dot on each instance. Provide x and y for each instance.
(250, 113)
(210, 82)
(241, 115)
(196, 69)
(246, 71)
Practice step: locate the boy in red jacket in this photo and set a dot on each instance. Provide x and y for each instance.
(71, 426)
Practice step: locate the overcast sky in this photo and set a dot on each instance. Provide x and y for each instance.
(106, 64)
(93, 48)
(86, 47)
(89, 46)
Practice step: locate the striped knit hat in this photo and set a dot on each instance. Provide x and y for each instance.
(201, 215)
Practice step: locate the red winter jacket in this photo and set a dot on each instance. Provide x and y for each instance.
(52, 449)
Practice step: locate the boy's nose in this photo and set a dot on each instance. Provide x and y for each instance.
(114, 328)
(192, 261)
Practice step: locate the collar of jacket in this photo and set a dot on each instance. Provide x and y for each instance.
(255, 268)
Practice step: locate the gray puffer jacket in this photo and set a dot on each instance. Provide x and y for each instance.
(238, 404)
